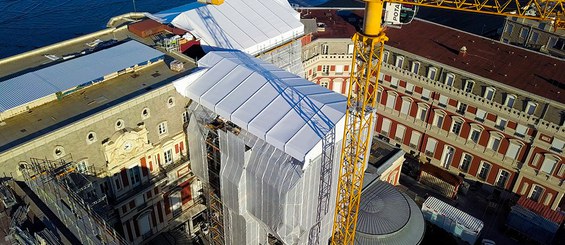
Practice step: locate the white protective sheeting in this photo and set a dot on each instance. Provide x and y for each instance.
(252, 26)
(69, 74)
(236, 86)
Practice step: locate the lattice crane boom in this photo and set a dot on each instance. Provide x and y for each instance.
(361, 97)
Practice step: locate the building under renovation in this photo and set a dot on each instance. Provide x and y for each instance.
(127, 139)
(261, 157)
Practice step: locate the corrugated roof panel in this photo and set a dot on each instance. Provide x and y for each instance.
(453, 213)
(78, 71)
(542, 210)
(16, 91)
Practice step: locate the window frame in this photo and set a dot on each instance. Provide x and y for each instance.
(552, 159)
(185, 117)
(475, 129)
(462, 162)
(408, 107)
(409, 88)
(499, 175)
(529, 105)
(491, 142)
(456, 121)
(430, 70)
(478, 116)
(533, 190)
(170, 156)
(480, 171)
(449, 82)
(467, 88)
(439, 116)
(415, 67)
(399, 62)
(510, 100)
(391, 99)
(487, 90)
(509, 28)
(524, 35)
(162, 129)
(170, 102)
(385, 57)
(501, 123)
(422, 111)
(145, 113)
(89, 139)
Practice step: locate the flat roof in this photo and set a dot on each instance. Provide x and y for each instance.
(69, 74)
(520, 68)
(74, 107)
(236, 86)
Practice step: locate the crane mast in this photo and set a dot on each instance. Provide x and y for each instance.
(362, 91)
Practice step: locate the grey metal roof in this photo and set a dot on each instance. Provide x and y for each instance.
(387, 216)
(469, 222)
(69, 74)
(382, 210)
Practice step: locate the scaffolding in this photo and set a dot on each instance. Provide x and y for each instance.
(287, 57)
(71, 196)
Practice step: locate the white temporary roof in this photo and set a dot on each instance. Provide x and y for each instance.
(435, 205)
(69, 74)
(252, 26)
(234, 85)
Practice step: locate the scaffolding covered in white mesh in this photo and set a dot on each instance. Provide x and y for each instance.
(270, 167)
(287, 57)
(263, 190)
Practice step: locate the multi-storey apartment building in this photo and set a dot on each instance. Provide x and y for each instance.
(477, 107)
(535, 35)
(112, 114)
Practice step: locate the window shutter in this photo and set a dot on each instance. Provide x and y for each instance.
(431, 145)
(548, 165)
(513, 150)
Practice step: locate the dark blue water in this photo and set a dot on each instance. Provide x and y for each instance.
(29, 24)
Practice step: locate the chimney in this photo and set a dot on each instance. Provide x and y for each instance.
(463, 51)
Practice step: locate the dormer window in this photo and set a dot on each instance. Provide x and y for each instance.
(449, 78)
(469, 86)
(489, 93)
(415, 67)
(510, 99)
(432, 72)
(531, 107)
(399, 61)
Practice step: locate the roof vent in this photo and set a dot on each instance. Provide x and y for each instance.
(463, 51)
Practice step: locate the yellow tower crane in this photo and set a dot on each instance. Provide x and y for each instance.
(361, 97)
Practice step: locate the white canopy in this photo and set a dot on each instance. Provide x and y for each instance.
(234, 85)
(252, 26)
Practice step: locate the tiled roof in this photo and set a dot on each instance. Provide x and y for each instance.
(542, 210)
(520, 68)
